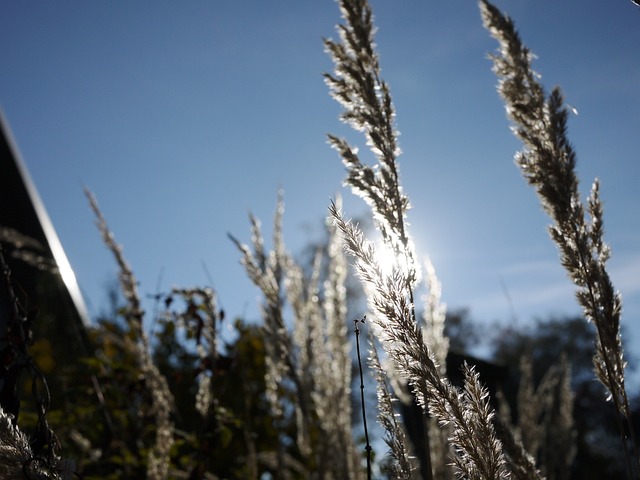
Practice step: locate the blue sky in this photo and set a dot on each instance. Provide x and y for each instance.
(182, 117)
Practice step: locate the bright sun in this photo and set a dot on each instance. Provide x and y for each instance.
(386, 258)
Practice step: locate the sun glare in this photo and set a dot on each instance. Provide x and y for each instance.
(386, 258)
(391, 262)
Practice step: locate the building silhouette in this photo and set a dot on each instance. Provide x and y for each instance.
(43, 290)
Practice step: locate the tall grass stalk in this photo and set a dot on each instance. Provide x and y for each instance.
(548, 164)
(403, 464)
(310, 358)
(433, 323)
(366, 99)
(161, 398)
(545, 416)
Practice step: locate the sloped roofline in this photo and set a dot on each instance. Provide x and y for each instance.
(59, 256)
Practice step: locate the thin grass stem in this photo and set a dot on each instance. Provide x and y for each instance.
(364, 414)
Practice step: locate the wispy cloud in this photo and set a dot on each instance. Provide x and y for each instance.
(534, 289)
(532, 267)
(525, 300)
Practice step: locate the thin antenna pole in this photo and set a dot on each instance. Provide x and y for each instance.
(364, 415)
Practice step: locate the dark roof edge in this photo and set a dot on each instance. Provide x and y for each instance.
(66, 272)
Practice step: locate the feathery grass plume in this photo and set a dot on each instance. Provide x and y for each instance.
(368, 108)
(478, 429)
(333, 397)
(403, 465)
(326, 365)
(162, 399)
(545, 417)
(335, 300)
(521, 463)
(530, 407)
(548, 164)
(267, 271)
(552, 403)
(303, 295)
(313, 359)
(335, 311)
(403, 342)
(15, 450)
(560, 436)
(433, 320)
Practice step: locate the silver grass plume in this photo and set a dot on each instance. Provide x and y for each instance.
(15, 450)
(403, 465)
(548, 163)
(479, 450)
(433, 317)
(335, 311)
(521, 462)
(368, 108)
(562, 429)
(265, 271)
(303, 296)
(335, 391)
(478, 428)
(161, 398)
(323, 361)
(529, 407)
(314, 356)
(545, 417)
(433, 320)
(559, 444)
(544, 408)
